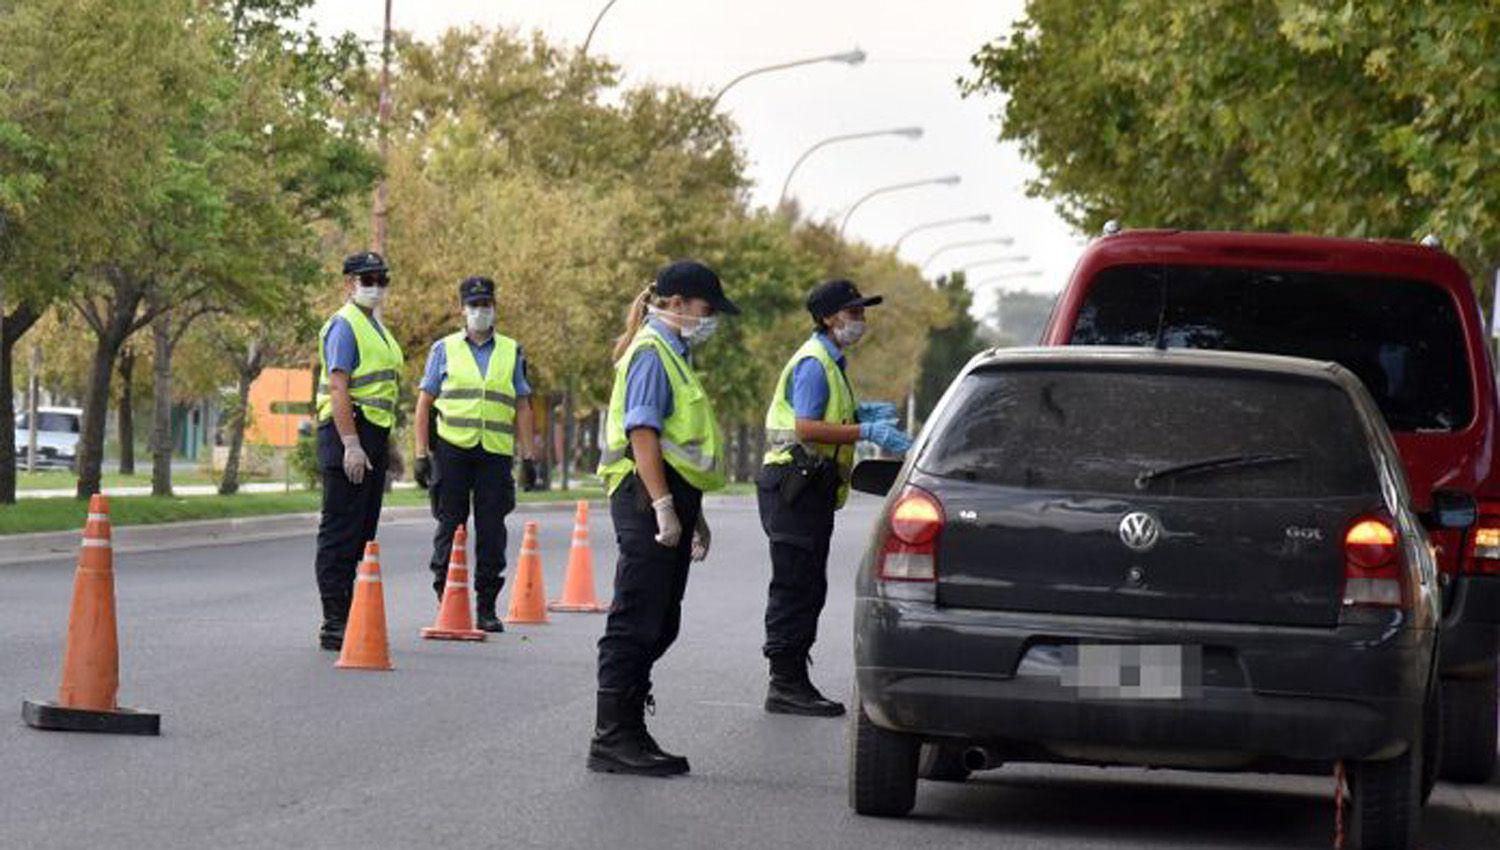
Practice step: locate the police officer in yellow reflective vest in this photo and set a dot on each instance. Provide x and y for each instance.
(811, 428)
(360, 364)
(476, 380)
(662, 452)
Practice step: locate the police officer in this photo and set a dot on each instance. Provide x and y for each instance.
(356, 400)
(476, 379)
(811, 428)
(662, 452)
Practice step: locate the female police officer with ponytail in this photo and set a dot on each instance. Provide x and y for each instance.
(661, 453)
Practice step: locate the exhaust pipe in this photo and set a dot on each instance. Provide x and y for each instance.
(979, 758)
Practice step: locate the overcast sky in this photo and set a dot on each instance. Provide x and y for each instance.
(917, 49)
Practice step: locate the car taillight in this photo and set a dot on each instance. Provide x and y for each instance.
(910, 549)
(1484, 548)
(1373, 572)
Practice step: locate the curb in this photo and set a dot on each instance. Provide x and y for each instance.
(194, 534)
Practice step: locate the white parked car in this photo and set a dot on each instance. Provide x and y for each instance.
(56, 436)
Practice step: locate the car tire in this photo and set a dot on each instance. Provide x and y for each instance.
(1385, 801)
(1469, 729)
(882, 767)
(942, 763)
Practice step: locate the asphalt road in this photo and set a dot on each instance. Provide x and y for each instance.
(265, 744)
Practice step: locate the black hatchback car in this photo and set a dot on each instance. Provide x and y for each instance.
(1182, 559)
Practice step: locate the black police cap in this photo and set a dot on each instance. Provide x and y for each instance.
(364, 262)
(692, 279)
(831, 296)
(476, 289)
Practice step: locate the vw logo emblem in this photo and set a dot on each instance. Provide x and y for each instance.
(1139, 531)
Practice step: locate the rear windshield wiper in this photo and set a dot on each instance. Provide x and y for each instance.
(1226, 462)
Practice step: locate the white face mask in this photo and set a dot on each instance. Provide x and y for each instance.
(369, 297)
(850, 333)
(701, 329)
(479, 319)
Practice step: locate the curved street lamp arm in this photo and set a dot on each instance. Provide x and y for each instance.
(954, 246)
(947, 181)
(947, 222)
(847, 137)
(782, 66)
(597, 18)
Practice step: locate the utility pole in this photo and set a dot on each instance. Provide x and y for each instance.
(383, 130)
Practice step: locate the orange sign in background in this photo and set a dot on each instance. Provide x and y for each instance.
(280, 401)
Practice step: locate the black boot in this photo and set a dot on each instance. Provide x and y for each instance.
(335, 616)
(484, 612)
(440, 586)
(621, 743)
(792, 692)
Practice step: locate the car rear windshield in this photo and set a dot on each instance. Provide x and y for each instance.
(1104, 430)
(57, 422)
(1401, 337)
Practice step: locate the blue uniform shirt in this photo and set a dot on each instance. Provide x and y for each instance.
(340, 350)
(437, 366)
(648, 392)
(808, 390)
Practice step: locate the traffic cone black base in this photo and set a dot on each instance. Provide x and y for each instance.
(121, 721)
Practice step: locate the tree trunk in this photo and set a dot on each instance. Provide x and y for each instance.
(125, 422)
(567, 435)
(11, 329)
(161, 406)
(96, 408)
(239, 419)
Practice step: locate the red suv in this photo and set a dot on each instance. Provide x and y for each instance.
(1403, 318)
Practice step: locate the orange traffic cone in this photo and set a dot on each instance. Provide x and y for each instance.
(528, 599)
(578, 584)
(91, 661)
(365, 644)
(455, 619)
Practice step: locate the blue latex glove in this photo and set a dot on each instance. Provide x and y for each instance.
(885, 435)
(876, 411)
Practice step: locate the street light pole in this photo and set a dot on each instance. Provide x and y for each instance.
(852, 57)
(383, 121)
(950, 180)
(954, 246)
(912, 133)
(584, 51)
(980, 218)
(993, 261)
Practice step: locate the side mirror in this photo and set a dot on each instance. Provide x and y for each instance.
(875, 476)
(1452, 509)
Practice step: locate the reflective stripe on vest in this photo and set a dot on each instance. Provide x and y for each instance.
(474, 409)
(781, 417)
(690, 438)
(374, 384)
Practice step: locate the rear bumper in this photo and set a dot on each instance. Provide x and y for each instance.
(1283, 695)
(1471, 627)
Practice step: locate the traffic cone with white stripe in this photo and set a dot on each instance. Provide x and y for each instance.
(91, 661)
(578, 583)
(365, 644)
(455, 619)
(528, 597)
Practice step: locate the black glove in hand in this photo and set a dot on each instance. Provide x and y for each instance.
(424, 472)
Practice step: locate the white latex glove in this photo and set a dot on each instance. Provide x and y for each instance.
(668, 527)
(356, 462)
(702, 538)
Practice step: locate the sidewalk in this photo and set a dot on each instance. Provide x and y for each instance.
(166, 537)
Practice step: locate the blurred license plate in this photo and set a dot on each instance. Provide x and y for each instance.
(1127, 671)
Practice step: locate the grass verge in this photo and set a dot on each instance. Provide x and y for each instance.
(35, 515)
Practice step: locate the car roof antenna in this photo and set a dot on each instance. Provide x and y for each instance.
(1161, 317)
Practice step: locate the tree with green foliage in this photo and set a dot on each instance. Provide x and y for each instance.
(949, 347)
(1320, 116)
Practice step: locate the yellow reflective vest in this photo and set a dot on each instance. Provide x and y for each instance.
(475, 409)
(690, 438)
(373, 385)
(781, 417)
